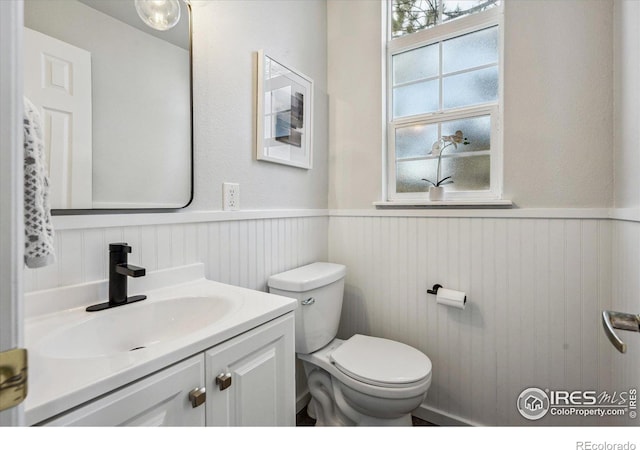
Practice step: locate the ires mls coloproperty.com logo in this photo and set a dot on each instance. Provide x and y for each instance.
(534, 403)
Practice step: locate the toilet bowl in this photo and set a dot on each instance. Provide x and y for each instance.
(362, 380)
(373, 381)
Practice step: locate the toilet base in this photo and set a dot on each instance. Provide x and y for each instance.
(406, 421)
(330, 408)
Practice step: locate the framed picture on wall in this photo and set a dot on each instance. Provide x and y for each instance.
(284, 107)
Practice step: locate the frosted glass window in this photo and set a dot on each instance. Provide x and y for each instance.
(471, 50)
(416, 64)
(471, 173)
(470, 88)
(461, 54)
(477, 130)
(440, 81)
(418, 98)
(415, 141)
(409, 175)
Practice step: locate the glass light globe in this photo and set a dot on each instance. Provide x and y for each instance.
(159, 14)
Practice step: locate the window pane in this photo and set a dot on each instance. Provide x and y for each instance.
(415, 141)
(470, 50)
(454, 9)
(471, 88)
(471, 173)
(416, 98)
(415, 64)
(477, 130)
(409, 16)
(409, 175)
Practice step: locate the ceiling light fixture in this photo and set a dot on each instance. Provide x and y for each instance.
(159, 14)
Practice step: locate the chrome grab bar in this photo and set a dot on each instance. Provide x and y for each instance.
(620, 321)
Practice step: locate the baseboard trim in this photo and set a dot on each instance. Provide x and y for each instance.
(441, 418)
(431, 415)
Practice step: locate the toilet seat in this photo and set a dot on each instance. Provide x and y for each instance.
(381, 362)
(323, 360)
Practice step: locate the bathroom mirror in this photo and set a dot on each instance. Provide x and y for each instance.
(116, 104)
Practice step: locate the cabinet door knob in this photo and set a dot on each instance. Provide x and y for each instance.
(223, 380)
(197, 397)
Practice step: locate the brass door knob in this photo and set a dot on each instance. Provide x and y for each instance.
(197, 397)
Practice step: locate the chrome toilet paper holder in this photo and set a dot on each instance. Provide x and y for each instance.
(620, 321)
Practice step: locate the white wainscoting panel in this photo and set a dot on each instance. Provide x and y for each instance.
(240, 252)
(535, 288)
(624, 369)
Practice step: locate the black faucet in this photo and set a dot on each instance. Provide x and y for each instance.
(119, 271)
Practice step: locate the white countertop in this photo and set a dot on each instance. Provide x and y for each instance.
(57, 384)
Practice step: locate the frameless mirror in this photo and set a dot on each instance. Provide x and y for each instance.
(115, 102)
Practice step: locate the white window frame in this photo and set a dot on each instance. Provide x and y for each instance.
(433, 35)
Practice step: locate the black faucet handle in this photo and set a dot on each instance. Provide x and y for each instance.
(121, 247)
(130, 270)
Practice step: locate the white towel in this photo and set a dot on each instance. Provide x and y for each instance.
(38, 230)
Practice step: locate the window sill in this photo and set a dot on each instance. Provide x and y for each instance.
(444, 204)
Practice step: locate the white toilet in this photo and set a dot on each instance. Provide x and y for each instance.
(363, 380)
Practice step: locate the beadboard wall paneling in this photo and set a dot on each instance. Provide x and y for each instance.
(240, 252)
(624, 369)
(535, 288)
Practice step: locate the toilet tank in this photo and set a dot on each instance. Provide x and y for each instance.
(319, 288)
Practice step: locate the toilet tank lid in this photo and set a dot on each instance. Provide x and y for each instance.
(307, 277)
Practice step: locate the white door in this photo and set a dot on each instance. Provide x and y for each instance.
(11, 186)
(261, 366)
(57, 79)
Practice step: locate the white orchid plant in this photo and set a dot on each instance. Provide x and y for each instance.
(438, 148)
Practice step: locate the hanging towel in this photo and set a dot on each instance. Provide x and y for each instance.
(38, 230)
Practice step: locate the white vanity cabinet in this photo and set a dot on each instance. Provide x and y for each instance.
(261, 393)
(260, 366)
(161, 399)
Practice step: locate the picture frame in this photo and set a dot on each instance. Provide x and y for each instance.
(284, 114)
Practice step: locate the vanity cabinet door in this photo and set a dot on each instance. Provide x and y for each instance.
(260, 363)
(161, 399)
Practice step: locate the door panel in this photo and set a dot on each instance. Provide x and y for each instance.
(58, 81)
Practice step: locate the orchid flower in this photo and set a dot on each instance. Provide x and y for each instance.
(438, 147)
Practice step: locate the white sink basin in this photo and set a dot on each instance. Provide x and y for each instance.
(75, 355)
(134, 327)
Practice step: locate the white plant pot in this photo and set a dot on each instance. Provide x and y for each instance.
(436, 193)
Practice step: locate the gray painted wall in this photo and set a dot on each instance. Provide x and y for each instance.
(226, 37)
